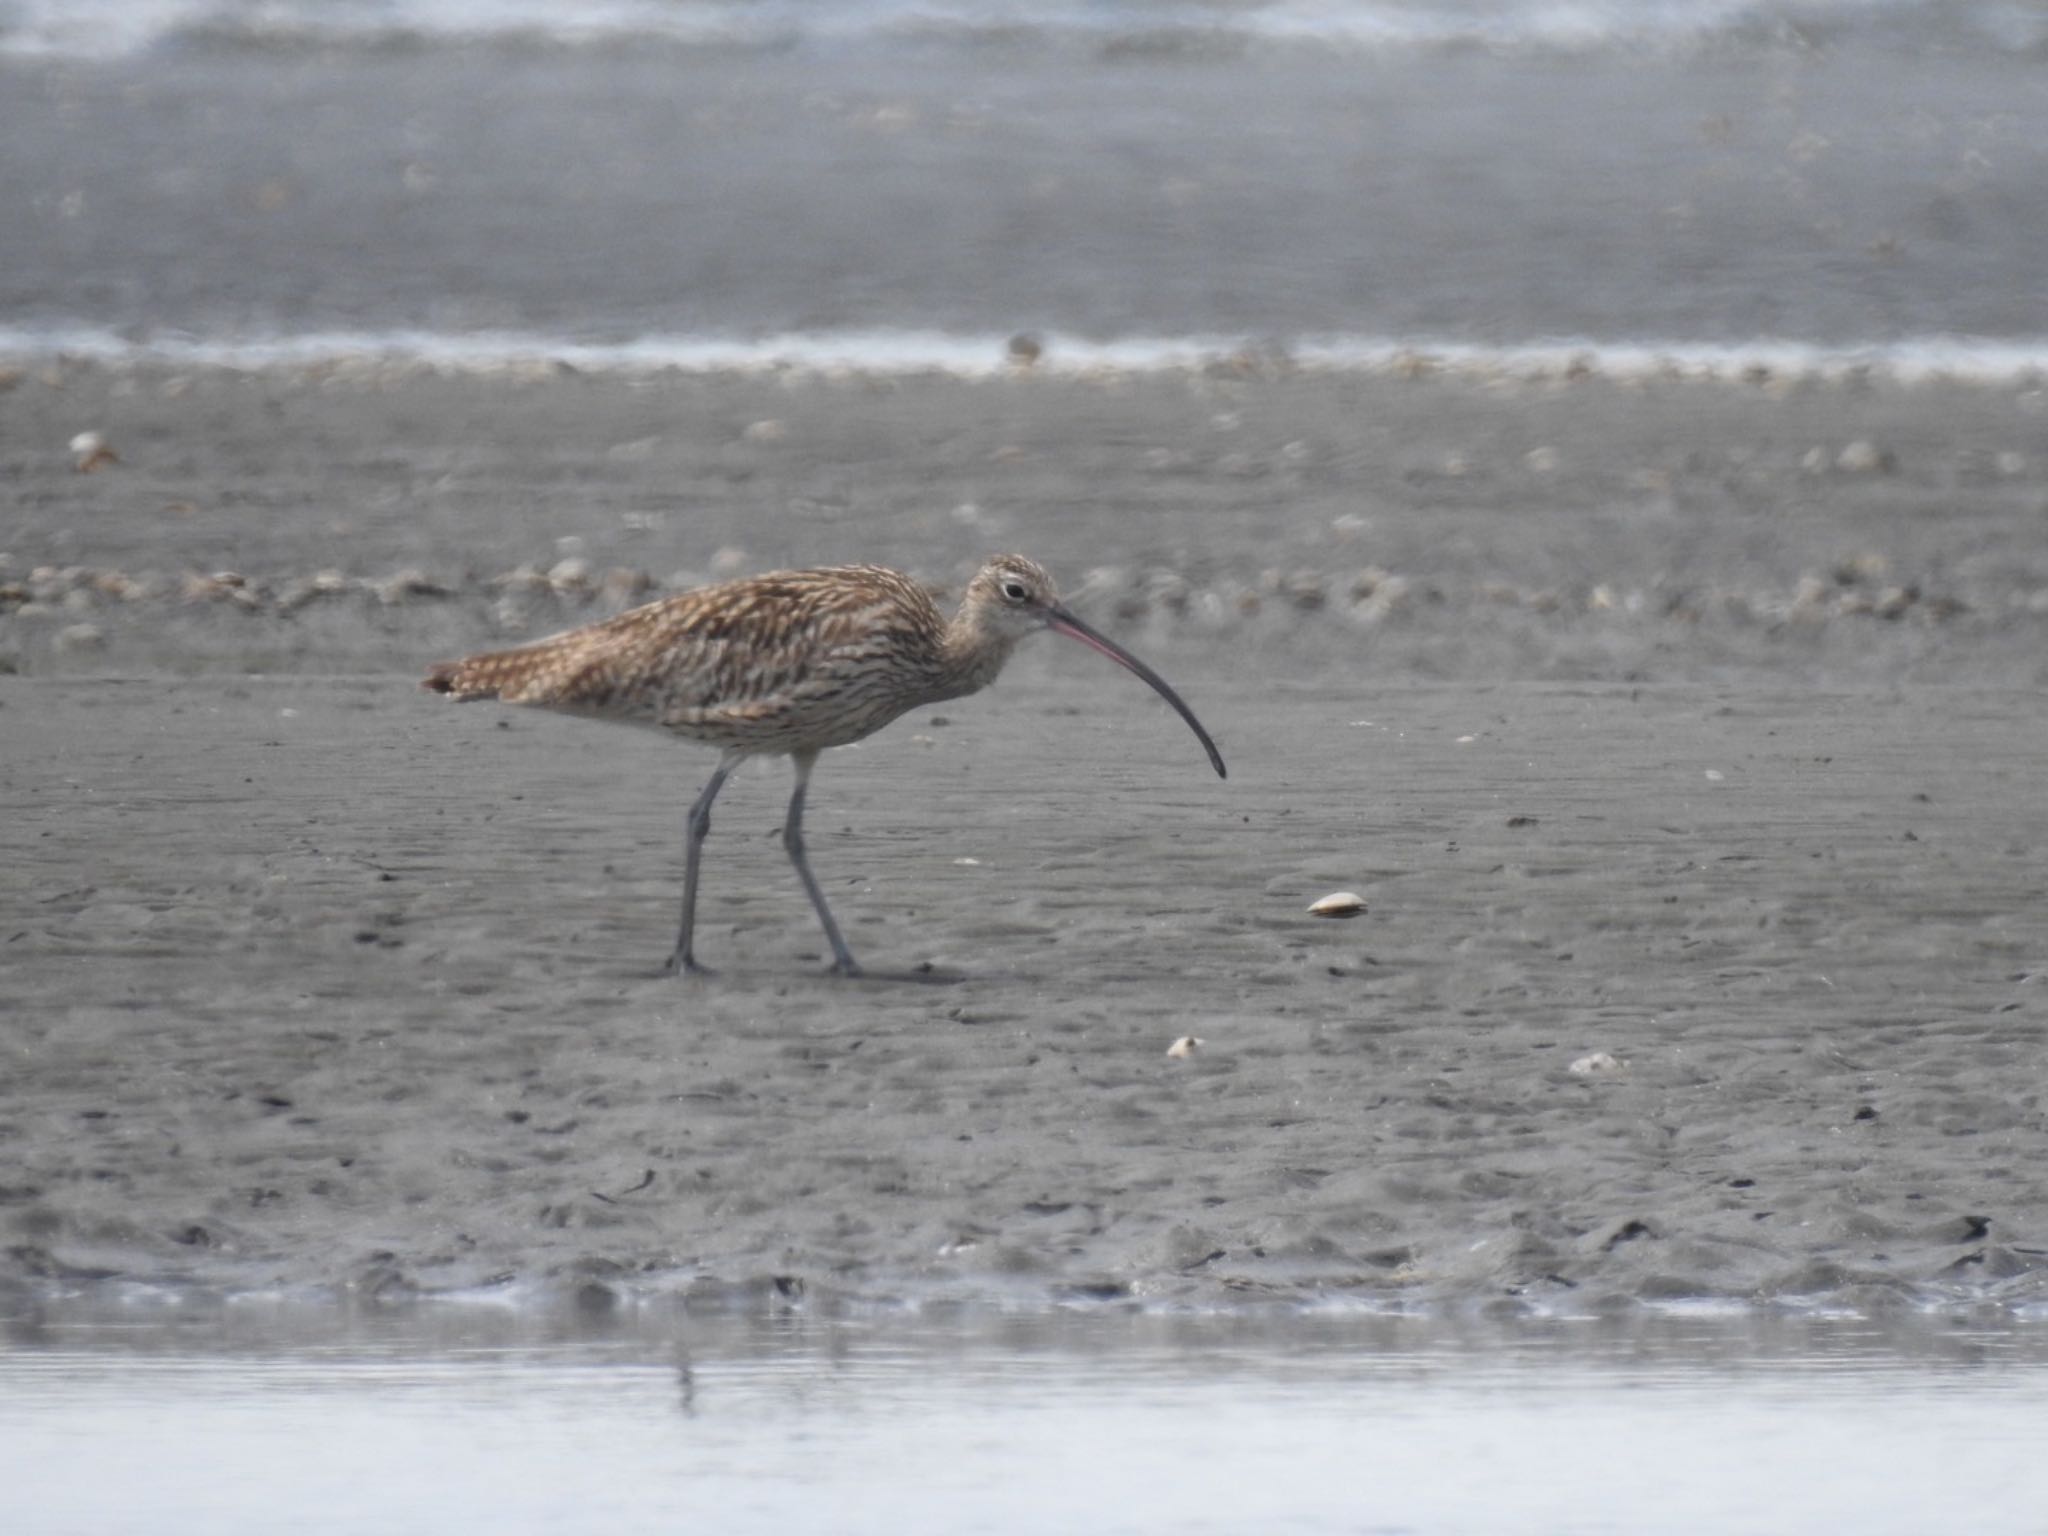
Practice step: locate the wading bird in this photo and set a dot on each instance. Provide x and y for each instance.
(791, 662)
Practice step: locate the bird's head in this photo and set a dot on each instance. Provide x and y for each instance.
(1011, 597)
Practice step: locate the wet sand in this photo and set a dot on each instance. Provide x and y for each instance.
(315, 981)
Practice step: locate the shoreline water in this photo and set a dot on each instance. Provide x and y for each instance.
(885, 355)
(419, 1418)
(100, 30)
(1842, 200)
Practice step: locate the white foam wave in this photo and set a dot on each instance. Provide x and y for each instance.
(1913, 360)
(126, 28)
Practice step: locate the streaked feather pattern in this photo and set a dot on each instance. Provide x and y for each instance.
(811, 658)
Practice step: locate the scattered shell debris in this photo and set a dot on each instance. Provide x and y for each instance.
(570, 576)
(1185, 1047)
(1861, 588)
(1338, 904)
(402, 586)
(1596, 1065)
(1863, 457)
(91, 451)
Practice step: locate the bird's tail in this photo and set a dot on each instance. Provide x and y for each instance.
(509, 675)
(446, 677)
(565, 671)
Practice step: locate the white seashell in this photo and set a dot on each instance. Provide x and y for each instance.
(90, 451)
(1339, 904)
(1864, 457)
(570, 575)
(1595, 1064)
(1184, 1047)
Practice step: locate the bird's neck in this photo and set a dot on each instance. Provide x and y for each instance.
(970, 656)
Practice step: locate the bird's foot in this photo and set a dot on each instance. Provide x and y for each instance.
(845, 966)
(681, 964)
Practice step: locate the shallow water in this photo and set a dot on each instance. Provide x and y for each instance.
(443, 177)
(455, 1418)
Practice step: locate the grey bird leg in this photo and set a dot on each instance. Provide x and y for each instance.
(793, 840)
(683, 961)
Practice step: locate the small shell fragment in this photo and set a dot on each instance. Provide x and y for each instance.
(91, 451)
(1184, 1047)
(1594, 1065)
(1339, 904)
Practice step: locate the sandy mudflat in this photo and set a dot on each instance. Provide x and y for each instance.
(313, 980)
(1300, 526)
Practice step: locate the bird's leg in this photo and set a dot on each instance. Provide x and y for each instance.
(793, 840)
(683, 961)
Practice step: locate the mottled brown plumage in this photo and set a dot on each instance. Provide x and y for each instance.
(789, 662)
(770, 664)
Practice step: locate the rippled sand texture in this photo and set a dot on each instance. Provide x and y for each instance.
(325, 982)
(1650, 720)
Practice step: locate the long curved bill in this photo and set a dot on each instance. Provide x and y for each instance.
(1062, 622)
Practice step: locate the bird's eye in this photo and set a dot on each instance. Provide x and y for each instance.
(1014, 592)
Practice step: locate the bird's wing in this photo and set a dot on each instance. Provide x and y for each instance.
(735, 654)
(820, 648)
